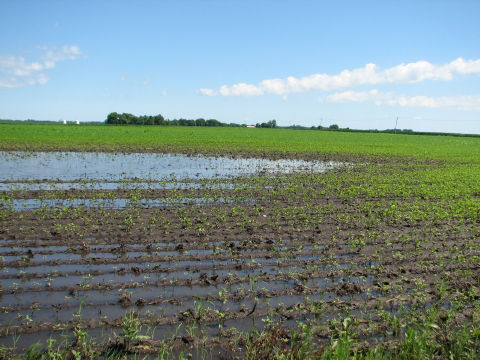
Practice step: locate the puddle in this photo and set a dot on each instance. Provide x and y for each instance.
(210, 329)
(68, 166)
(40, 257)
(33, 256)
(7, 249)
(149, 292)
(31, 204)
(42, 297)
(32, 268)
(59, 186)
(130, 278)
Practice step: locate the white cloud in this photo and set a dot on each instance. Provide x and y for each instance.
(462, 102)
(67, 52)
(208, 92)
(15, 71)
(370, 74)
(352, 96)
(42, 79)
(241, 89)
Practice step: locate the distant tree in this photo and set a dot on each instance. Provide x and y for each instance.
(213, 122)
(200, 122)
(333, 127)
(150, 120)
(127, 119)
(159, 120)
(186, 122)
(268, 124)
(113, 118)
(140, 120)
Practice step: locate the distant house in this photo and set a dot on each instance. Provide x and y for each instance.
(77, 122)
(250, 126)
(64, 122)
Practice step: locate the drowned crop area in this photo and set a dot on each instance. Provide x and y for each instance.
(110, 255)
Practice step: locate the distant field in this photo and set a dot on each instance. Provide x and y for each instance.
(270, 142)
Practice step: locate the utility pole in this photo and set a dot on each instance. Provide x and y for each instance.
(396, 122)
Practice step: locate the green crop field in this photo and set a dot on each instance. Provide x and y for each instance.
(267, 142)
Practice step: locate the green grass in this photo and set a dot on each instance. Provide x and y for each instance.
(269, 142)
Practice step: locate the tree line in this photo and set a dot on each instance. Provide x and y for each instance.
(128, 119)
(269, 124)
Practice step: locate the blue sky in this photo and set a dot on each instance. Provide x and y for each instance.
(358, 64)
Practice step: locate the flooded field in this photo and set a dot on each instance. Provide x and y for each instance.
(199, 251)
(68, 166)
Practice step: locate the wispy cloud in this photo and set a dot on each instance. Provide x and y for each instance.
(370, 74)
(15, 71)
(208, 92)
(462, 102)
(136, 80)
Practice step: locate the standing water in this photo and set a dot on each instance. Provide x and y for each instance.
(68, 166)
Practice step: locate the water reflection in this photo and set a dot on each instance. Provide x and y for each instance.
(68, 166)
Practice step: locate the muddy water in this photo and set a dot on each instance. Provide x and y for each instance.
(43, 281)
(68, 166)
(31, 204)
(102, 185)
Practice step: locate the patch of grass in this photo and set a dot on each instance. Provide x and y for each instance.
(425, 341)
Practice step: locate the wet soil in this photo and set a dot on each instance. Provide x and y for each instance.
(285, 250)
